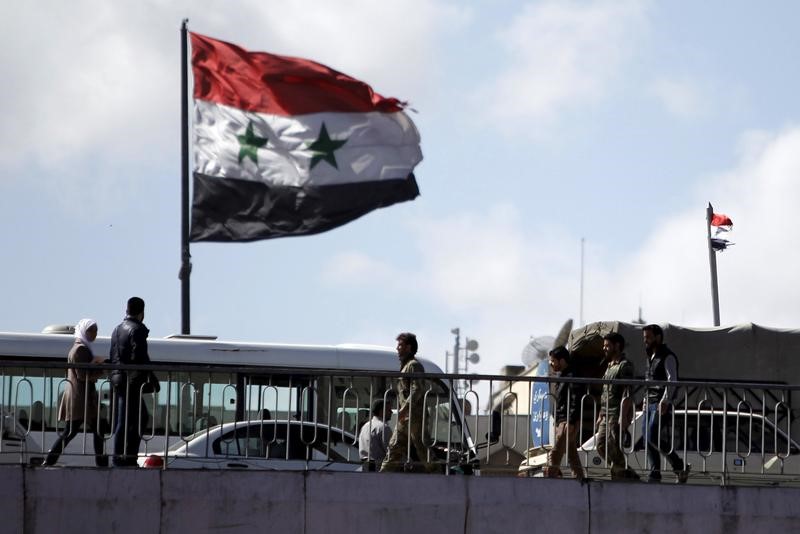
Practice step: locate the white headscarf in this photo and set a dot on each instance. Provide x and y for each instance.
(81, 329)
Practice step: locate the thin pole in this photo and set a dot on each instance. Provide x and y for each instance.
(186, 257)
(580, 314)
(712, 263)
(456, 350)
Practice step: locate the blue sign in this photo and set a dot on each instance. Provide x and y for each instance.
(540, 408)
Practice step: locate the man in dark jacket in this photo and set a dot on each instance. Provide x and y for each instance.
(129, 347)
(568, 397)
(662, 366)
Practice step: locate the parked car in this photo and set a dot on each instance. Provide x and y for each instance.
(16, 445)
(269, 444)
(756, 451)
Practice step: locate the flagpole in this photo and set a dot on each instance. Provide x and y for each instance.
(712, 262)
(186, 257)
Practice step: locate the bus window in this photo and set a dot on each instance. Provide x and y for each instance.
(442, 423)
(265, 402)
(33, 398)
(351, 399)
(189, 402)
(278, 397)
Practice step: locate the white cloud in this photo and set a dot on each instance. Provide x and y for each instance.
(486, 261)
(351, 267)
(561, 55)
(86, 85)
(394, 45)
(682, 98)
(757, 275)
(91, 81)
(700, 96)
(513, 282)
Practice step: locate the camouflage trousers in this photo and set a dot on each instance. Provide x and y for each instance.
(398, 454)
(608, 447)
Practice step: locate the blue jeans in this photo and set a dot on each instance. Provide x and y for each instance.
(130, 413)
(659, 443)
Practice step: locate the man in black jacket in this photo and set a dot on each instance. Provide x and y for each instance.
(662, 366)
(129, 346)
(568, 397)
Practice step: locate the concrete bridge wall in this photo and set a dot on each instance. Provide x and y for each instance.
(67, 500)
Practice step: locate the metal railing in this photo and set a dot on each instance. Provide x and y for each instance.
(221, 416)
(721, 432)
(246, 417)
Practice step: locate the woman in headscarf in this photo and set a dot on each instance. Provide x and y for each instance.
(79, 402)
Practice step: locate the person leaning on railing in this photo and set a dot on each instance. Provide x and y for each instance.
(616, 408)
(568, 397)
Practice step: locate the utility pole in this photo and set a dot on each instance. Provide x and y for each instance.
(456, 348)
(712, 263)
(470, 356)
(580, 314)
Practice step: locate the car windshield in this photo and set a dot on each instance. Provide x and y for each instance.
(443, 424)
(743, 434)
(269, 440)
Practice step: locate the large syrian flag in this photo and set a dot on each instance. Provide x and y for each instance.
(286, 146)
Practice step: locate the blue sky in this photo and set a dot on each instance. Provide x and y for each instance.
(542, 123)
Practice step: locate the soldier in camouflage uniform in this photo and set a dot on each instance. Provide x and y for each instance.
(411, 394)
(616, 408)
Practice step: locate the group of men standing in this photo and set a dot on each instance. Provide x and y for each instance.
(616, 410)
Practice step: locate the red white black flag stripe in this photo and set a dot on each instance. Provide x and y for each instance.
(722, 227)
(286, 146)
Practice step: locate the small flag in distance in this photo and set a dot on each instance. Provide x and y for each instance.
(723, 225)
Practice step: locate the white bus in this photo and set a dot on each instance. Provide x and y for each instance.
(205, 382)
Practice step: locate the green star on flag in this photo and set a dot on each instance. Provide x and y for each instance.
(250, 143)
(324, 147)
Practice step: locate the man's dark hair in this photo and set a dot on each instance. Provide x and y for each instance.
(377, 408)
(135, 306)
(560, 353)
(616, 338)
(409, 339)
(655, 330)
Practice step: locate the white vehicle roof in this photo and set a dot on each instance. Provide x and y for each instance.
(204, 351)
(217, 430)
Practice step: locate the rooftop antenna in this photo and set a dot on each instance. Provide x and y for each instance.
(639, 319)
(538, 347)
